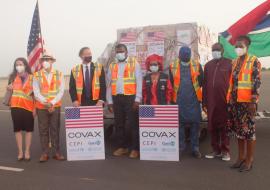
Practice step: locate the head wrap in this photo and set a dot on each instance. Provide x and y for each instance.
(154, 58)
(185, 54)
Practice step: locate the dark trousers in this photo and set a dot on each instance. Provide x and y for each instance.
(123, 110)
(87, 101)
(220, 141)
(194, 136)
(49, 128)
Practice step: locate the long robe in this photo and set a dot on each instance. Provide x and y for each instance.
(215, 87)
(189, 106)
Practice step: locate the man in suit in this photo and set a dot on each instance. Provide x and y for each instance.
(87, 85)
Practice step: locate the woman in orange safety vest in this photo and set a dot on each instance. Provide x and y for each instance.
(22, 106)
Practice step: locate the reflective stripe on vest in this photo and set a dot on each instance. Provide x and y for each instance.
(22, 94)
(244, 88)
(49, 91)
(195, 72)
(77, 73)
(129, 78)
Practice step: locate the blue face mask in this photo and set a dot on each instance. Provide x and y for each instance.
(120, 57)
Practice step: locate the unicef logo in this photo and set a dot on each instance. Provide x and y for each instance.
(98, 142)
(172, 143)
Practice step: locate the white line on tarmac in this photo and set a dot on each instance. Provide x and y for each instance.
(11, 169)
(6, 111)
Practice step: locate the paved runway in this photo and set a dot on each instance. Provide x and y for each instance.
(124, 173)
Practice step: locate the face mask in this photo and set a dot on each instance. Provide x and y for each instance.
(121, 56)
(216, 54)
(20, 68)
(240, 51)
(154, 68)
(87, 59)
(46, 65)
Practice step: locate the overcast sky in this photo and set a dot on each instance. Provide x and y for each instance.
(67, 25)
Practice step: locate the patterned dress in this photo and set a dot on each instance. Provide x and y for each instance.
(241, 119)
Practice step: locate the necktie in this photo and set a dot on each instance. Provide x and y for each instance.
(87, 83)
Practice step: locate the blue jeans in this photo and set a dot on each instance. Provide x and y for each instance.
(194, 136)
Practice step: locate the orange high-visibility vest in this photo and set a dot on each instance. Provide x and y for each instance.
(49, 91)
(244, 88)
(129, 77)
(195, 72)
(77, 73)
(22, 96)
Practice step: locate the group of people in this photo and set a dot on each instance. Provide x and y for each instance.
(227, 90)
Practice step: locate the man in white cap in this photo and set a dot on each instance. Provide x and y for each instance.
(48, 87)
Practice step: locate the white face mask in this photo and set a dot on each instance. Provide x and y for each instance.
(216, 54)
(120, 56)
(240, 51)
(154, 68)
(20, 68)
(46, 65)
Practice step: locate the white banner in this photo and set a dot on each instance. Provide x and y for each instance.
(85, 133)
(159, 133)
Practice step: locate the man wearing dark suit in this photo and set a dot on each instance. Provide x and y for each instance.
(87, 85)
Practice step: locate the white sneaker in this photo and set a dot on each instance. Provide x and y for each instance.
(212, 155)
(226, 157)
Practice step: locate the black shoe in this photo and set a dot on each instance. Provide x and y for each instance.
(237, 164)
(197, 154)
(245, 168)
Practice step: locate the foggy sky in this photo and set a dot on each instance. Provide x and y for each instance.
(68, 25)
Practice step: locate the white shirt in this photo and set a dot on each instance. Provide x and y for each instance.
(40, 97)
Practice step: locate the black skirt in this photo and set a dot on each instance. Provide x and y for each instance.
(23, 120)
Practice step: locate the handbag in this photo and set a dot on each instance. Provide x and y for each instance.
(8, 95)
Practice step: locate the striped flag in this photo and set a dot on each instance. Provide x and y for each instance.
(84, 117)
(154, 36)
(35, 42)
(163, 116)
(256, 24)
(128, 37)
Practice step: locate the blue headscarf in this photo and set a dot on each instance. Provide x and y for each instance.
(185, 54)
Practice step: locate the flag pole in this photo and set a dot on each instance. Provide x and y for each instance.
(42, 47)
(40, 28)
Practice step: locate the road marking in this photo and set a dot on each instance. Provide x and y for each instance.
(11, 169)
(6, 111)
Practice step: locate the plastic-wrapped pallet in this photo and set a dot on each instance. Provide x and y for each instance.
(164, 40)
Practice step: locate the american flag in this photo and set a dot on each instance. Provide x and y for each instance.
(154, 36)
(165, 116)
(35, 46)
(84, 117)
(128, 37)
